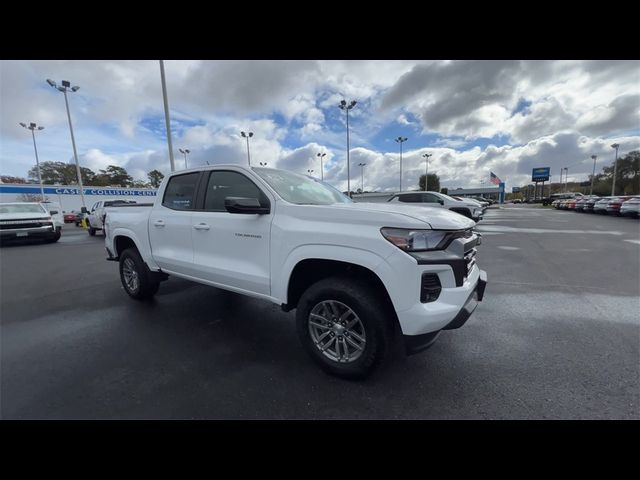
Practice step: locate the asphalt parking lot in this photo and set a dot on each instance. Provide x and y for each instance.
(557, 336)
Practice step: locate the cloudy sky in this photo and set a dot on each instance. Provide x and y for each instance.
(473, 116)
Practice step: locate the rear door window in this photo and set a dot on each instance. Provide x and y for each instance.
(180, 192)
(411, 198)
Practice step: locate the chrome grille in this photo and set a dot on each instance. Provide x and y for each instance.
(470, 259)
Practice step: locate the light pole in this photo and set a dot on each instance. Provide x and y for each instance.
(401, 140)
(593, 174)
(426, 172)
(321, 156)
(66, 85)
(185, 152)
(167, 118)
(32, 126)
(309, 171)
(247, 136)
(346, 107)
(362, 165)
(566, 179)
(615, 169)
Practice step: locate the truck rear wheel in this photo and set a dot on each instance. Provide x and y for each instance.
(343, 327)
(138, 281)
(92, 231)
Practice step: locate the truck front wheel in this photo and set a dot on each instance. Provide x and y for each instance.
(342, 325)
(138, 281)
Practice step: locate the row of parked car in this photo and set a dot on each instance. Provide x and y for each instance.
(616, 205)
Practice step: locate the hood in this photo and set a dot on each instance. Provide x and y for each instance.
(436, 217)
(24, 216)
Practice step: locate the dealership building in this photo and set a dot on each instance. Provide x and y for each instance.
(68, 196)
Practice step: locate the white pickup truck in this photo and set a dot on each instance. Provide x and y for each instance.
(359, 274)
(98, 210)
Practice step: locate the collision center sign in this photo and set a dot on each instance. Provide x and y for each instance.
(62, 190)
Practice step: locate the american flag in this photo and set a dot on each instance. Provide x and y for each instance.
(494, 179)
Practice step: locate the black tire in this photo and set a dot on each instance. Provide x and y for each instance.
(92, 231)
(55, 237)
(365, 302)
(147, 284)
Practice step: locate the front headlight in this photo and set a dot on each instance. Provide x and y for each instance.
(416, 240)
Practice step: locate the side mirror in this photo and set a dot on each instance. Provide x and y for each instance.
(441, 202)
(53, 212)
(84, 210)
(245, 205)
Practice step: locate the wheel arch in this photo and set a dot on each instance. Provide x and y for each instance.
(308, 271)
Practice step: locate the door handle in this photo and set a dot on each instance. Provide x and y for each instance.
(202, 226)
(158, 223)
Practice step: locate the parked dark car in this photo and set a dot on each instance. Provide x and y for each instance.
(588, 205)
(69, 217)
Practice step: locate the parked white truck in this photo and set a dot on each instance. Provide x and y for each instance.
(358, 274)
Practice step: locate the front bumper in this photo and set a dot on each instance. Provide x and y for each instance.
(45, 231)
(448, 318)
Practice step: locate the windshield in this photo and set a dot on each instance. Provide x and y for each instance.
(22, 208)
(301, 189)
(443, 195)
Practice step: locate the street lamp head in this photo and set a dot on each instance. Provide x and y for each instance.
(32, 125)
(66, 83)
(352, 104)
(250, 134)
(594, 157)
(187, 150)
(40, 128)
(343, 103)
(22, 124)
(243, 134)
(75, 88)
(51, 82)
(62, 89)
(180, 150)
(615, 145)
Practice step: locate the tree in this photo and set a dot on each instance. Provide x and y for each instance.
(11, 179)
(155, 178)
(444, 190)
(60, 173)
(139, 184)
(116, 176)
(433, 184)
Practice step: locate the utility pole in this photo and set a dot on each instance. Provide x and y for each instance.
(32, 126)
(321, 156)
(615, 169)
(66, 86)
(346, 107)
(247, 136)
(593, 174)
(426, 172)
(401, 140)
(167, 118)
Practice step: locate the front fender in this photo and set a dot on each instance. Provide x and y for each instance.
(356, 256)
